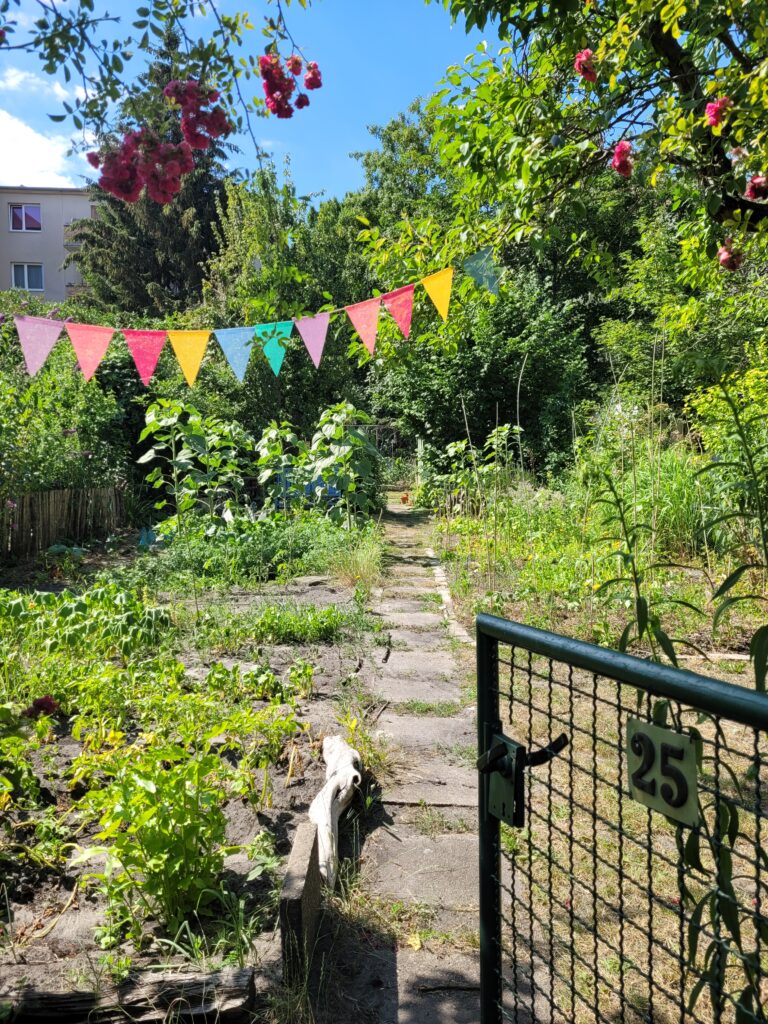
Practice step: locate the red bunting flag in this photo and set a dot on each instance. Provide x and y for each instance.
(145, 347)
(90, 344)
(400, 305)
(365, 320)
(313, 330)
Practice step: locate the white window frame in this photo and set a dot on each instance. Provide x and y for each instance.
(26, 287)
(23, 229)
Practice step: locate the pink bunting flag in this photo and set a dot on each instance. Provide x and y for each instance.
(313, 330)
(365, 320)
(145, 347)
(400, 305)
(37, 336)
(90, 344)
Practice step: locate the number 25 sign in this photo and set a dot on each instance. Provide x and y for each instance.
(662, 770)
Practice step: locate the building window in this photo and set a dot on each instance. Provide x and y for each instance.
(25, 217)
(28, 276)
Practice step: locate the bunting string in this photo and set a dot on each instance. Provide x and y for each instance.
(38, 335)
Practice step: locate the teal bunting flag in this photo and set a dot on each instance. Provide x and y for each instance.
(273, 338)
(483, 270)
(236, 345)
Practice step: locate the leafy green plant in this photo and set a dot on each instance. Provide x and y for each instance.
(342, 457)
(162, 825)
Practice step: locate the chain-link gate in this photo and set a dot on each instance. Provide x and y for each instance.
(623, 860)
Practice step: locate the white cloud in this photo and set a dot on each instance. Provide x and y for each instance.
(18, 80)
(31, 158)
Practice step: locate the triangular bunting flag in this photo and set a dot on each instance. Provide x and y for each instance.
(483, 270)
(189, 347)
(313, 330)
(145, 347)
(273, 338)
(236, 345)
(365, 320)
(400, 305)
(37, 336)
(90, 344)
(438, 288)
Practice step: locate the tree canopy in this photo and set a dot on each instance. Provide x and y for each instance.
(666, 90)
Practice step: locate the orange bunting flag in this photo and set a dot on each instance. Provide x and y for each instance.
(400, 305)
(365, 320)
(438, 287)
(90, 344)
(189, 347)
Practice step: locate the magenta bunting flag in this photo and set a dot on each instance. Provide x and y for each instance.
(365, 320)
(90, 344)
(37, 335)
(145, 347)
(313, 330)
(400, 305)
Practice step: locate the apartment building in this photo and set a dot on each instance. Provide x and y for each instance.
(34, 239)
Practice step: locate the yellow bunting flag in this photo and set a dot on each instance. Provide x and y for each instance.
(438, 287)
(189, 347)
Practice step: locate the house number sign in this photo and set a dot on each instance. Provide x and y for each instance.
(662, 770)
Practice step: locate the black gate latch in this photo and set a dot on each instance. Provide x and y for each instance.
(505, 764)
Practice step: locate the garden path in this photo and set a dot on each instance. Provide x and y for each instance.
(422, 861)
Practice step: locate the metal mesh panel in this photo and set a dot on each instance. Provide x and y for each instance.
(601, 900)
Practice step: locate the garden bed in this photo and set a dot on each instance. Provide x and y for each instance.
(244, 690)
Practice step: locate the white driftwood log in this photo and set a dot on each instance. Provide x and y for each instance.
(343, 767)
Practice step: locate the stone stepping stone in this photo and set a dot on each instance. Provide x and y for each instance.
(402, 605)
(415, 732)
(441, 871)
(404, 568)
(436, 781)
(440, 986)
(413, 620)
(438, 665)
(399, 689)
(417, 640)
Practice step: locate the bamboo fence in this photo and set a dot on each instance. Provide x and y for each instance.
(33, 522)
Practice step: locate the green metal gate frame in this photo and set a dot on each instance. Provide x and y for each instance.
(724, 701)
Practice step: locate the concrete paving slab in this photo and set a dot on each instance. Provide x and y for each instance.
(413, 620)
(435, 781)
(418, 640)
(424, 731)
(437, 987)
(440, 871)
(417, 664)
(398, 689)
(407, 568)
(404, 605)
(412, 592)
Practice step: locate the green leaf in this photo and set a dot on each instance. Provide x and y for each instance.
(758, 651)
(693, 851)
(733, 579)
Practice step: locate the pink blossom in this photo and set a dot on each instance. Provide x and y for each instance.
(727, 258)
(313, 79)
(584, 65)
(757, 187)
(302, 100)
(621, 162)
(716, 111)
(294, 64)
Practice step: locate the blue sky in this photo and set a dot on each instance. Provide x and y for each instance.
(376, 56)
